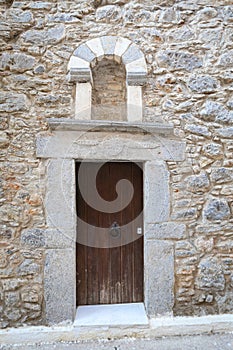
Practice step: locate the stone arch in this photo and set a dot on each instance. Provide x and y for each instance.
(123, 51)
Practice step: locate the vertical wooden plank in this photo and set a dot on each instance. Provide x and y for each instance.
(115, 260)
(81, 250)
(104, 254)
(137, 175)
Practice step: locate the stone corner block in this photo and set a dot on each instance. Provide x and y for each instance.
(59, 285)
(42, 142)
(159, 277)
(173, 150)
(60, 198)
(166, 231)
(157, 195)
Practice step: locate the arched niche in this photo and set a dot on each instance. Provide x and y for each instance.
(121, 50)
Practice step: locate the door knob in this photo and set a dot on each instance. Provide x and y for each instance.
(115, 230)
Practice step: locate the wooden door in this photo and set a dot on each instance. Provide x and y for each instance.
(109, 244)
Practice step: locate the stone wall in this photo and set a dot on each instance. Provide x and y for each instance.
(189, 51)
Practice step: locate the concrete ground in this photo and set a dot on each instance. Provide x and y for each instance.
(194, 342)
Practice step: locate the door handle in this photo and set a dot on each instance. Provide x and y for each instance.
(115, 230)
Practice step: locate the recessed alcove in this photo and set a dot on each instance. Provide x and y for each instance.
(109, 91)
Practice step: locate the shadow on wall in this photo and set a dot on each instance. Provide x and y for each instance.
(8, 3)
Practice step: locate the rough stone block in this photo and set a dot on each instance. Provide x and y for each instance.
(159, 277)
(19, 16)
(213, 150)
(203, 84)
(198, 183)
(59, 285)
(169, 15)
(49, 36)
(17, 62)
(108, 14)
(4, 139)
(198, 129)
(28, 267)
(214, 111)
(13, 102)
(221, 175)
(33, 237)
(225, 132)
(210, 275)
(216, 209)
(226, 59)
(179, 60)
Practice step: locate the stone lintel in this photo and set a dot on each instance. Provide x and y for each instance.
(80, 75)
(66, 124)
(136, 78)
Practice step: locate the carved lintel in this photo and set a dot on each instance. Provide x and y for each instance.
(80, 75)
(136, 78)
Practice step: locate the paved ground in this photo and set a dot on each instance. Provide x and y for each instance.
(200, 342)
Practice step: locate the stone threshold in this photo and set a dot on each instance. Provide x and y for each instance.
(66, 124)
(158, 327)
(128, 314)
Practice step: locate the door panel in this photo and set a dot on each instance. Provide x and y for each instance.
(109, 249)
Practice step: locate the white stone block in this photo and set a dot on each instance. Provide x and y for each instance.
(122, 45)
(59, 285)
(76, 62)
(96, 46)
(156, 189)
(83, 101)
(159, 278)
(138, 66)
(134, 103)
(59, 201)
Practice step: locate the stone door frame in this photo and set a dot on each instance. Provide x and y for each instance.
(72, 141)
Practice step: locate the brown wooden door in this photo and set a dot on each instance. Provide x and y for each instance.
(109, 244)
